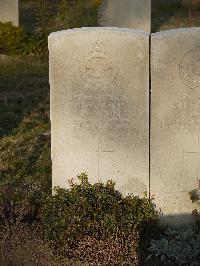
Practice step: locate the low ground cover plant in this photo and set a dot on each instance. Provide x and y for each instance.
(177, 247)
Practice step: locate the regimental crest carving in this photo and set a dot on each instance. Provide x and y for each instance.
(97, 72)
(189, 69)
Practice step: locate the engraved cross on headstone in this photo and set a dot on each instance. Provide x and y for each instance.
(195, 156)
(100, 151)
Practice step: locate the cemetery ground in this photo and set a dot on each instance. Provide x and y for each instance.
(25, 166)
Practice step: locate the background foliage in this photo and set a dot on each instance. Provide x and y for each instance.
(50, 16)
(11, 38)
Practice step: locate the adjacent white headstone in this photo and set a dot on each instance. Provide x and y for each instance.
(9, 11)
(99, 79)
(175, 128)
(133, 14)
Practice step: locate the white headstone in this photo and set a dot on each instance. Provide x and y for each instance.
(175, 127)
(9, 11)
(99, 80)
(133, 14)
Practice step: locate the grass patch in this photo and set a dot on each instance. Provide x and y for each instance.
(25, 164)
(24, 84)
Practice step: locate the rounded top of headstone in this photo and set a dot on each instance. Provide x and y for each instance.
(174, 32)
(62, 33)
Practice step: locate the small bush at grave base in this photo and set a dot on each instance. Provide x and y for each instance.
(11, 38)
(177, 247)
(96, 223)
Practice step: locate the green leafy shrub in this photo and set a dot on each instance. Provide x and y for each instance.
(11, 38)
(97, 212)
(34, 46)
(177, 247)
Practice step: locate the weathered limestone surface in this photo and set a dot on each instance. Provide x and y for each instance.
(99, 80)
(175, 128)
(133, 14)
(9, 11)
